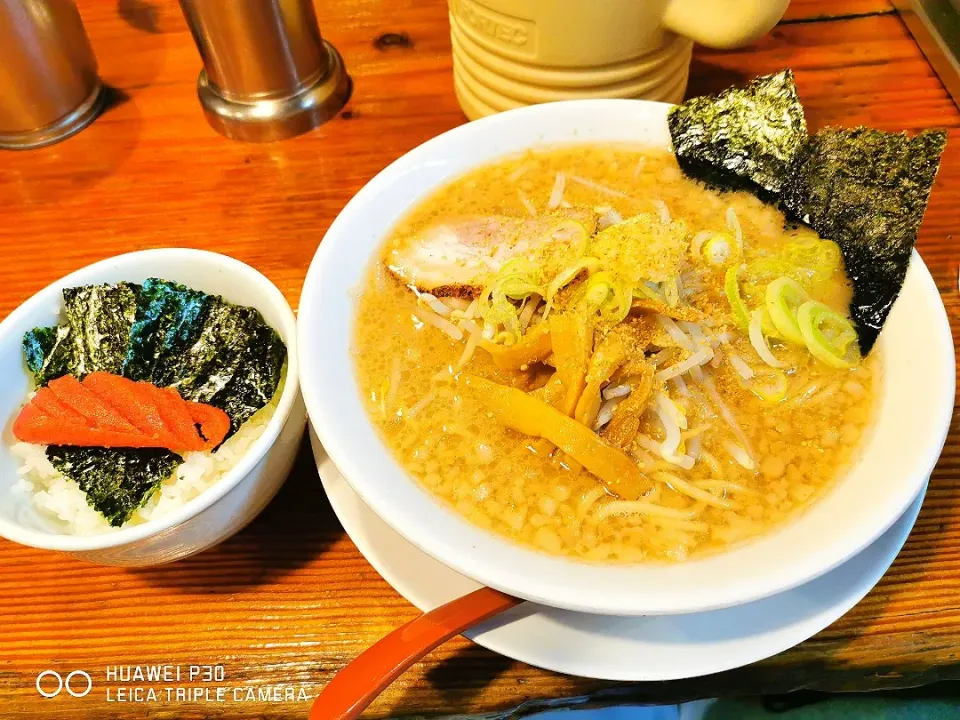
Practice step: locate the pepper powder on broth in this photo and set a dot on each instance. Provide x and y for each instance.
(584, 351)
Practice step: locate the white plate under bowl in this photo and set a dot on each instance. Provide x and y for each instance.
(913, 408)
(607, 647)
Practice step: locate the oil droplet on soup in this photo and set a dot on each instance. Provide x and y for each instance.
(757, 444)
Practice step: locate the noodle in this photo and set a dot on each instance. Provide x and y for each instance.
(693, 491)
(588, 501)
(641, 507)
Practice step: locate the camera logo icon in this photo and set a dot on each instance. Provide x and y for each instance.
(77, 684)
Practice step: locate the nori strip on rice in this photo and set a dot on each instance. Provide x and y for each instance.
(210, 350)
(204, 368)
(256, 379)
(100, 318)
(162, 332)
(743, 138)
(168, 319)
(867, 190)
(116, 481)
(48, 352)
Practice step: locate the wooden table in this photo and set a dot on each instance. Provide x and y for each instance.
(290, 600)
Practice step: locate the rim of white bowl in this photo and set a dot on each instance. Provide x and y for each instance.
(326, 422)
(73, 543)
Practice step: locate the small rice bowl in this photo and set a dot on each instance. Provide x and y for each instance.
(62, 502)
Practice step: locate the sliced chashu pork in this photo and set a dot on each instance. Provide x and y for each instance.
(457, 258)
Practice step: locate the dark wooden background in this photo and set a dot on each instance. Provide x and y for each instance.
(290, 600)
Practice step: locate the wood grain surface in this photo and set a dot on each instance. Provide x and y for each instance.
(289, 600)
(815, 10)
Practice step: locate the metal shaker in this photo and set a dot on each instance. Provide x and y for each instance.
(49, 88)
(267, 73)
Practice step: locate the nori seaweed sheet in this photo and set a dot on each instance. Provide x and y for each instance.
(743, 138)
(210, 350)
(256, 378)
(116, 481)
(867, 190)
(48, 352)
(168, 319)
(204, 368)
(100, 318)
(162, 332)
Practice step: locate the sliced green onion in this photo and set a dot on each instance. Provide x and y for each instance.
(769, 329)
(516, 287)
(766, 269)
(818, 260)
(783, 297)
(699, 239)
(516, 280)
(828, 335)
(517, 266)
(759, 342)
(612, 297)
(579, 236)
(624, 301)
(647, 291)
(773, 391)
(732, 289)
(599, 288)
(718, 250)
(590, 264)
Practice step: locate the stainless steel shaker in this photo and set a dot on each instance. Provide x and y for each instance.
(267, 73)
(49, 87)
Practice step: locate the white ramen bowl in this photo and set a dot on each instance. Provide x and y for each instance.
(915, 402)
(219, 511)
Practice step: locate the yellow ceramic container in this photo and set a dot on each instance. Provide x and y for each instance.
(509, 53)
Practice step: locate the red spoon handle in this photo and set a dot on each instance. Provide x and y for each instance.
(360, 682)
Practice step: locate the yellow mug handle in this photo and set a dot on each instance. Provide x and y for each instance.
(723, 24)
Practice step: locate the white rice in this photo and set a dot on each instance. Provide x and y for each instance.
(62, 501)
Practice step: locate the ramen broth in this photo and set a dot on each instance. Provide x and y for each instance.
(758, 442)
